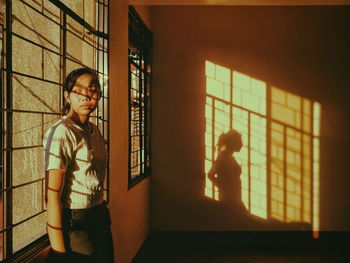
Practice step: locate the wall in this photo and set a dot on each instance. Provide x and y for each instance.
(129, 208)
(145, 14)
(303, 50)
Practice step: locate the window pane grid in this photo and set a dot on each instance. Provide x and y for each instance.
(36, 63)
(139, 107)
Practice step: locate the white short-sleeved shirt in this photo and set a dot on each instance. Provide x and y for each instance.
(82, 156)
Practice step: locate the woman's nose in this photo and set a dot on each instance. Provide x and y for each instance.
(85, 97)
(86, 94)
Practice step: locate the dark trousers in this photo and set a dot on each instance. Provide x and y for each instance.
(87, 235)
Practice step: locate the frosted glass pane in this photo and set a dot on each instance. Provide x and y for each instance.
(27, 129)
(51, 66)
(35, 95)
(27, 58)
(35, 27)
(27, 201)
(29, 231)
(28, 165)
(80, 51)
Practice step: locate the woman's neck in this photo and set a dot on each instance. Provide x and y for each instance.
(81, 120)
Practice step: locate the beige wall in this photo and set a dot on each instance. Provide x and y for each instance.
(303, 50)
(129, 208)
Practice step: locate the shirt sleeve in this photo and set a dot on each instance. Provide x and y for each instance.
(57, 148)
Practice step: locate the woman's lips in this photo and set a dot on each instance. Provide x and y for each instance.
(85, 107)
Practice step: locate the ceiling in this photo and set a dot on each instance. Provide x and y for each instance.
(241, 2)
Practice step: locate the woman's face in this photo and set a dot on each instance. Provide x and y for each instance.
(84, 96)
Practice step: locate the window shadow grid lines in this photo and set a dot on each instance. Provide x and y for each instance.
(36, 44)
(213, 142)
(268, 153)
(295, 196)
(39, 13)
(286, 166)
(249, 162)
(312, 171)
(78, 19)
(284, 173)
(302, 216)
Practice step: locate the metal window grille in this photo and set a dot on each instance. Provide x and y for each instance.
(41, 41)
(140, 44)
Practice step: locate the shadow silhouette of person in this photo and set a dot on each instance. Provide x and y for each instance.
(225, 172)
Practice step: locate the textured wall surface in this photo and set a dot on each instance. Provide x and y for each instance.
(302, 50)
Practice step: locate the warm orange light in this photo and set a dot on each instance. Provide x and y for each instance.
(238, 101)
(219, 112)
(316, 168)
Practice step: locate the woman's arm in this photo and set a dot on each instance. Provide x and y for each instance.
(55, 181)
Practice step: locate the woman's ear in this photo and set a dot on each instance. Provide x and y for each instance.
(66, 96)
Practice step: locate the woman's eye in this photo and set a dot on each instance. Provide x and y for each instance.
(76, 90)
(93, 90)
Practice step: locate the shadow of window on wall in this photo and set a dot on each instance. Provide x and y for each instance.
(280, 155)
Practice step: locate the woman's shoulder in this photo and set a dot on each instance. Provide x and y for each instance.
(62, 128)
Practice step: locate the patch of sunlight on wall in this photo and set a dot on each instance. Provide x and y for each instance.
(233, 108)
(249, 110)
(217, 114)
(316, 168)
(284, 134)
(291, 157)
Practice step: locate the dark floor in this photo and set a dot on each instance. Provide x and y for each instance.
(244, 247)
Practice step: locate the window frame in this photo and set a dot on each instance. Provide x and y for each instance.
(101, 33)
(140, 39)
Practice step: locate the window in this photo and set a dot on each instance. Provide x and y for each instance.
(280, 154)
(140, 43)
(41, 41)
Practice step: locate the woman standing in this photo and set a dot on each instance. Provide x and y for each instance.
(78, 220)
